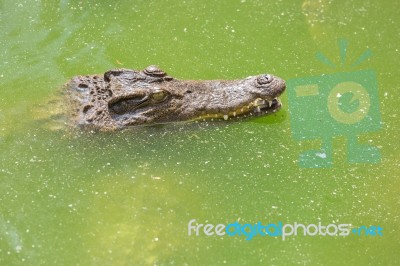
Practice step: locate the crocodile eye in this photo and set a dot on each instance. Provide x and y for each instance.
(159, 95)
(154, 71)
(264, 79)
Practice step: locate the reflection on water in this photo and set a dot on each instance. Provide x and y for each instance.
(126, 197)
(10, 236)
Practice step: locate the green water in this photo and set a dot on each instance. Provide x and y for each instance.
(126, 198)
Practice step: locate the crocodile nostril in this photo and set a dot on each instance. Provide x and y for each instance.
(264, 79)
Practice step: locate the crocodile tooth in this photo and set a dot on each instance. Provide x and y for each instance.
(225, 117)
(258, 109)
(270, 103)
(234, 114)
(258, 102)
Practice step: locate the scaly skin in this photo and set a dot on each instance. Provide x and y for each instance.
(122, 98)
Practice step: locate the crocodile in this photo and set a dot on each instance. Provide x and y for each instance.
(122, 98)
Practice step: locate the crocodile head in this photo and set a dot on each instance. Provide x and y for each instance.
(123, 97)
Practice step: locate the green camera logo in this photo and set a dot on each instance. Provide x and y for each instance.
(339, 104)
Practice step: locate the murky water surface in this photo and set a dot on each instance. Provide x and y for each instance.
(122, 198)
